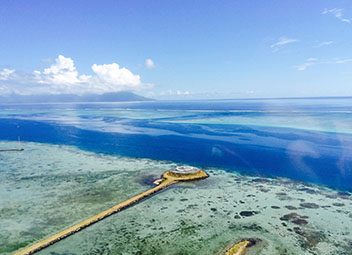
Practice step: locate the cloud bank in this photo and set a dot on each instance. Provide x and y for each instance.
(5, 74)
(62, 77)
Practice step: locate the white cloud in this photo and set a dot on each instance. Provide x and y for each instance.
(175, 93)
(309, 62)
(325, 43)
(115, 77)
(63, 71)
(342, 60)
(6, 74)
(338, 13)
(182, 93)
(63, 77)
(282, 41)
(149, 63)
(313, 61)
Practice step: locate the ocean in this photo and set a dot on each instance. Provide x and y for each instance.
(307, 140)
(280, 171)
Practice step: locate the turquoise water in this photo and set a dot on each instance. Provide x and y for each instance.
(47, 187)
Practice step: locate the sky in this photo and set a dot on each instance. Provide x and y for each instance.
(177, 49)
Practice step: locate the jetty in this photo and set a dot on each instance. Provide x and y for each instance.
(179, 174)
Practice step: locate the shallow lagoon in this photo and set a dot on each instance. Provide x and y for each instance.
(49, 187)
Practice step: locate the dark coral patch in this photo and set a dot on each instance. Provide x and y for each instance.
(344, 194)
(299, 221)
(308, 190)
(310, 238)
(290, 216)
(261, 180)
(338, 204)
(290, 207)
(248, 213)
(309, 205)
(281, 193)
(295, 218)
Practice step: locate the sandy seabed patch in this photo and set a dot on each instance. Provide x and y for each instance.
(49, 187)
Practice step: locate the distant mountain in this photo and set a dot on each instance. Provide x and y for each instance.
(124, 96)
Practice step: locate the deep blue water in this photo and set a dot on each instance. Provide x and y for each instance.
(323, 157)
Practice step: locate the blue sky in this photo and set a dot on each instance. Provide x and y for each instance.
(177, 49)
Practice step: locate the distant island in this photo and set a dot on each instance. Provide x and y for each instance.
(123, 96)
